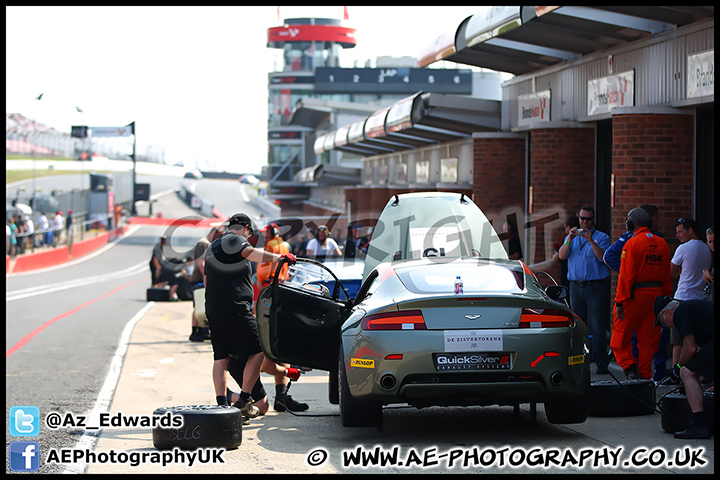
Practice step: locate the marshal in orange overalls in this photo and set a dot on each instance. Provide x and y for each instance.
(266, 270)
(644, 275)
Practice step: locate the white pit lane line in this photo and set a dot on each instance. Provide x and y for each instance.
(94, 254)
(56, 287)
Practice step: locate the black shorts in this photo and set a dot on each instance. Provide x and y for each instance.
(167, 275)
(236, 368)
(234, 334)
(153, 273)
(703, 363)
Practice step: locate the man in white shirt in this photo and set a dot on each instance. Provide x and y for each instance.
(690, 258)
(59, 227)
(323, 245)
(29, 230)
(43, 226)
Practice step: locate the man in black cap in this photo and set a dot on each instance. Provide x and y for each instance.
(694, 321)
(228, 300)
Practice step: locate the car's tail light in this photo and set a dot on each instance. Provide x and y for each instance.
(409, 320)
(538, 317)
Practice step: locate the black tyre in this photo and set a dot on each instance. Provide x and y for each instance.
(569, 409)
(203, 426)
(333, 381)
(627, 399)
(573, 409)
(354, 413)
(676, 413)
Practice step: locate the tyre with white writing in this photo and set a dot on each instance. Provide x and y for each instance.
(626, 398)
(353, 412)
(204, 426)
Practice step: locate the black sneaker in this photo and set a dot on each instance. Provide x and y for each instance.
(196, 335)
(288, 403)
(205, 333)
(631, 373)
(245, 420)
(247, 408)
(694, 431)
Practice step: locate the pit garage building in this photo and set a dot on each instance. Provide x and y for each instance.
(609, 106)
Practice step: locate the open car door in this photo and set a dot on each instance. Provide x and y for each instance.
(299, 320)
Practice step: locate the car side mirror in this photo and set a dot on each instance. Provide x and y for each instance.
(557, 292)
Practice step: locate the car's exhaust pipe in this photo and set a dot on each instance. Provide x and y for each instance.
(388, 381)
(557, 378)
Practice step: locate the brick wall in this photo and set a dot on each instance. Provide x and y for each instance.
(498, 175)
(562, 173)
(653, 163)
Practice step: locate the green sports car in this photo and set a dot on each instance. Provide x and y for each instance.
(443, 317)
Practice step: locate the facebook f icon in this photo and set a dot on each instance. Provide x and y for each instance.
(24, 456)
(24, 421)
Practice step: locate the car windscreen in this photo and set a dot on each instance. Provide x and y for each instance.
(432, 224)
(476, 279)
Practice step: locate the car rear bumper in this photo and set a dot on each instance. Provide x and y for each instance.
(472, 394)
(464, 388)
(415, 380)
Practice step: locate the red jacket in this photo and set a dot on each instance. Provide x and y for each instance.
(645, 258)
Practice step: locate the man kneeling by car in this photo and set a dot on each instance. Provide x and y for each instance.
(694, 321)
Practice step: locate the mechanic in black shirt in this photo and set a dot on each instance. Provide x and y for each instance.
(228, 299)
(694, 321)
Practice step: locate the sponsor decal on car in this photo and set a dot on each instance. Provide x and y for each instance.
(362, 363)
(473, 340)
(576, 359)
(473, 361)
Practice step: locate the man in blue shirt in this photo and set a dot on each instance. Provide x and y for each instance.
(589, 279)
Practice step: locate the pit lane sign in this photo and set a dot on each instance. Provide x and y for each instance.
(606, 93)
(125, 131)
(534, 107)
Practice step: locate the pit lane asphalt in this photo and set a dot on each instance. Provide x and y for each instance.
(162, 368)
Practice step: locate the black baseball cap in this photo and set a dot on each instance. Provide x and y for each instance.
(660, 303)
(239, 219)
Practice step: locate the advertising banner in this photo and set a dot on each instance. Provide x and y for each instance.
(125, 131)
(534, 107)
(701, 74)
(609, 92)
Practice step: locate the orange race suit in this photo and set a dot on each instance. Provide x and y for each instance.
(266, 270)
(644, 275)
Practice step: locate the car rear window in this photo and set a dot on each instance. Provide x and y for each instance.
(440, 279)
